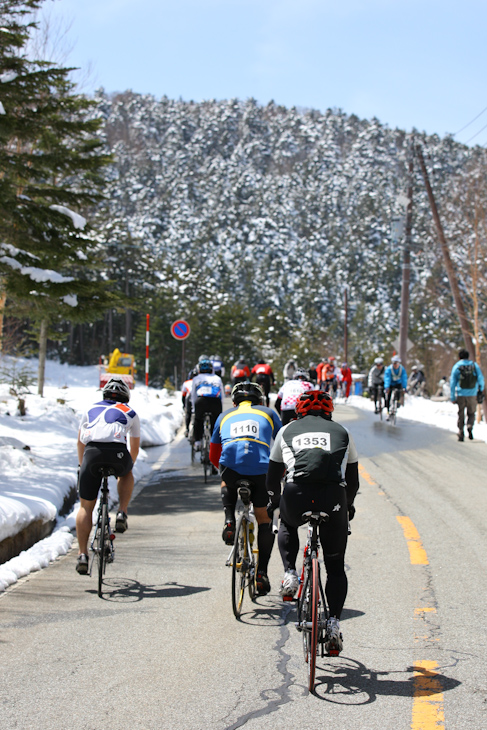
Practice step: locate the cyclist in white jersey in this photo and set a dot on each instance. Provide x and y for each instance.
(102, 439)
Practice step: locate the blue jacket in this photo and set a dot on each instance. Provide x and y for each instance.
(245, 434)
(455, 389)
(392, 377)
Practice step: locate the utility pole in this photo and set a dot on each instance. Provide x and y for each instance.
(345, 334)
(464, 323)
(406, 265)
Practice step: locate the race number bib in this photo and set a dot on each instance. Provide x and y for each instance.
(240, 429)
(311, 441)
(204, 390)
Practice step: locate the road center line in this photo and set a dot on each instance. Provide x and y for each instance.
(417, 553)
(428, 711)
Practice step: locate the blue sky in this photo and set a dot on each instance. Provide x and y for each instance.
(414, 63)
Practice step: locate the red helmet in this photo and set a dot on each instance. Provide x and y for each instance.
(314, 400)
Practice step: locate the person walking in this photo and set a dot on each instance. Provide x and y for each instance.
(466, 390)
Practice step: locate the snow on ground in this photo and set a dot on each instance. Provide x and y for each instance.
(35, 481)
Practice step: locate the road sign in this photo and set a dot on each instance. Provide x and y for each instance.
(180, 329)
(409, 344)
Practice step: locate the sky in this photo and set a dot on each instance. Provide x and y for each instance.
(410, 63)
(34, 482)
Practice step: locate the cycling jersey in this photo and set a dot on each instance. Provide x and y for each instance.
(245, 434)
(315, 450)
(290, 392)
(109, 422)
(395, 378)
(206, 385)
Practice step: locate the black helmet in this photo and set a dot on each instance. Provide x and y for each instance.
(117, 389)
(248, 391)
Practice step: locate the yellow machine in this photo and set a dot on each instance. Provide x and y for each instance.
(119, 363)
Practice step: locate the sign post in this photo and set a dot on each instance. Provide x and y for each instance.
(147, 350)
(180, 330)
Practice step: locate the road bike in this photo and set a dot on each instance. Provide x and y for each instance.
(102, 543)
(205, 446)
(244, 557)
(394, 404)
(380, 400)
(312, 608)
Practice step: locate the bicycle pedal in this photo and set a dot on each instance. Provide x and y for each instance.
(112, 536)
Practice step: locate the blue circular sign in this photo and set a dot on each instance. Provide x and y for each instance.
(180, 329)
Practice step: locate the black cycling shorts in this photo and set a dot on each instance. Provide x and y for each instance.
(258, 491)
(98, 454)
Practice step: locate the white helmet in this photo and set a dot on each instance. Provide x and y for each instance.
(379, 361)
(395, 358)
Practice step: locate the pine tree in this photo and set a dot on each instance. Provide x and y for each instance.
(50, 167)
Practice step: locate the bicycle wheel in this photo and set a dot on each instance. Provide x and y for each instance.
(205, 448)
(239, 566)
(315, 622)
(304, 613)
(103, 537)
(253, 561)
(380, 402)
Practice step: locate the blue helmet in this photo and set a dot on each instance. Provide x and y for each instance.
(205, 366)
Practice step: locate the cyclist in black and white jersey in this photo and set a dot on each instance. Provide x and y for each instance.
(321, 463)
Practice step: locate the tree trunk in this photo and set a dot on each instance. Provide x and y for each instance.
(42, 357)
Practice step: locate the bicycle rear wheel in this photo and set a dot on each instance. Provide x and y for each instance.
(238, 566)
(205, 447)
(304, 613)
(102, 539)
(253, 562)
(315, 622)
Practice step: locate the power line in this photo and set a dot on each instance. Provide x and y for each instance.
(471, 122)
(476, 134)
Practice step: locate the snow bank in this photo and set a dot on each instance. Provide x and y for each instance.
(36, 481)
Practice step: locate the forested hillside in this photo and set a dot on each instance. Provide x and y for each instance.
(250, 221)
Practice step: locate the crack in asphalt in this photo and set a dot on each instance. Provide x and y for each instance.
(282, 692)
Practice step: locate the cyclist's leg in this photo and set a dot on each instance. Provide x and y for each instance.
(229, 500)
(84, 523)
(88, 487)
(265, 536)
(199, 415)
(293, 504)
(333, 538)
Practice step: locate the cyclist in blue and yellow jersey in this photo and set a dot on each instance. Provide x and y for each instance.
(240, 446)
(206, 397)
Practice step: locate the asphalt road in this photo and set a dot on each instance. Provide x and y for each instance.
(162, 649)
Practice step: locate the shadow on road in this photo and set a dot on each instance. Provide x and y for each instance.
(125, 590)
(347, 682)
(178, 494)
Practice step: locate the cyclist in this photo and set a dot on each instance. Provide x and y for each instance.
(262, 372)
(466, 381)
(102, 439)
(313, 373)
(217, 363)
(240, 446)
(240, 371)
(395, 378)
(329, 376)
(376, 379)
(289, 369)
(321, 463)
(206, 397)
(417, 380)
(289, 394)
(186, 399)
(345, 379)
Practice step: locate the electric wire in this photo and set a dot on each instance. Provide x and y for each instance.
(471, 122)
(476, 134)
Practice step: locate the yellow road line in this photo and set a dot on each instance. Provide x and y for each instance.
(417, 553)
(428, 711)
(366, 476)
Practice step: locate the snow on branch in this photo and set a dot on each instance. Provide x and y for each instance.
(78, 220)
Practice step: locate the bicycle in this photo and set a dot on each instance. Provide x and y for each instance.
(243, 557)
(205, 446)
(312, 608)
(380, 400)
(103, 537)
(394, 404)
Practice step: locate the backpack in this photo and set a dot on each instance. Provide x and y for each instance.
(468, 376)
